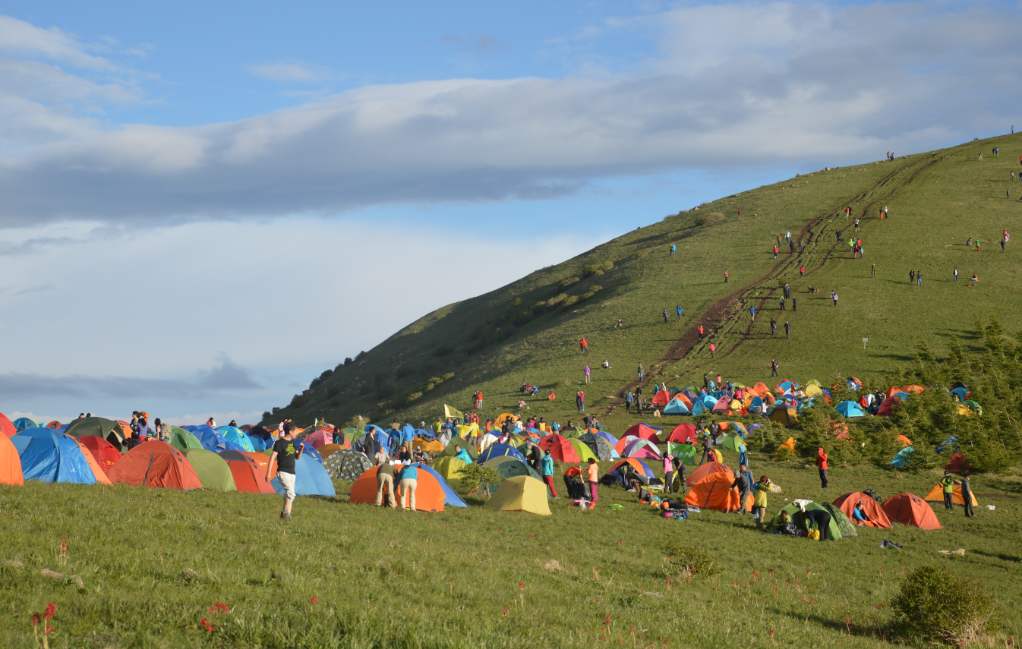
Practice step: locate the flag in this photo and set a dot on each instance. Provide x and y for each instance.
(452, 412)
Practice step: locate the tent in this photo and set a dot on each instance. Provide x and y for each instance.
(451, 497)
(660, 399)
(10, 463)
(311, 479)
(687, 452)
(957, 463)
(262, 439)
(431, 446)
(902, 457)
(108, 429)
(7, 428)
(449, 467)
(874, 512)
(642, 448)
(235, 439)
(24, 423)
(731, 443)
(346, 464)
(521, 494)
(644, 431)
(429, 494)
(105, 453)
(507, 467)
(839, 525)
(624, 442)
(183, 440)
(325, 450)
(498, 450)
(50, 456)
(785, 416)
(600, 447)
(97, 471)
(212, 470)
(642, 470)
(248, 473)
(676, 407)
(723, 406)
(583, 450)
(710, 488)
(209, 438)
(155, 464)
(560, 449)
(683, 433)
(910, 509)
(936, 495)
(850, 409)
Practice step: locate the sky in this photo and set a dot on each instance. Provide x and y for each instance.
(204, 205)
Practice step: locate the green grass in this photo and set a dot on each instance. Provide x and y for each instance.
(497, 341)
(153, 562)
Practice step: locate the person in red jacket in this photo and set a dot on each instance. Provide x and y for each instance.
(822, 465)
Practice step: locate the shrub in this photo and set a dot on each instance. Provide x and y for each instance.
(686, 561)
(935, 605)
(477, 480)
(413, 397)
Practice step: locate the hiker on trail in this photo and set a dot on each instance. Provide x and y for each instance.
(752, 312)
(384, 480)
(773, 327)
(947, 484)
(838, 236)
(477, 400)
(667, 318)
(727, 276)
(668, 471)
(954, 274)
(587, 373)
(713, 349)
(856, 224)
(919, 278)
(974, 280)
(548, 472)
(787, 329)
(583, 344)
(802, 270)
(408, 484)
(848, 212)
(593, 477)
(674, 249)
(759, 500)
(701, 330)
(774, 366)
(781, 303)
(580, 400)
(873, 271)
(823, 466)
(911, 277)
(833, 297)
(794, 304)
(285, 454)
(787, 290)
(744, 483)
(967, 495)
(678, 311)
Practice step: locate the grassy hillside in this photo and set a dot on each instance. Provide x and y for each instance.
(527, 331)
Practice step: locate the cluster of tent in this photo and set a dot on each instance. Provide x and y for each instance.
(89, 451)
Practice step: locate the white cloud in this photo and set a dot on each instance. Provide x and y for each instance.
(286, 72)
(20, 37)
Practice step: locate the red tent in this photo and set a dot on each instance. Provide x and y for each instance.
(249, 474)
(874, 512)
(684, 434)
(320, 437)
(661, 398)
(7, 426)
(10, 462)
(644, 431)
(709, 487)
(155, 464)
(560, 449)
(105, 453)
(910, 509)
(97, 469)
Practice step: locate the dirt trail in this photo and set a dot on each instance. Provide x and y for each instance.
(729, 313)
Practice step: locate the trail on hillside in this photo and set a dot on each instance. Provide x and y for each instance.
(728, 314)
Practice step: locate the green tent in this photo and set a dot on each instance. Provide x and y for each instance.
(730, 443)
(108, 429)
(583, 450)
(509, 467)
(213, 471)
(183, 440)
(686, 452)
(845, 525)
(456, 444)
(792, 508)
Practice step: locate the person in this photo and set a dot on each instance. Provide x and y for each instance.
(823, 466)
(674, 249)
(668, 471)
(794, 304)
(161, 430)
(211, 422)
(774, 366)
(919, 278)
(873, 271)
(833, 297)
(404, 454)
(629, 400)
(744, 483)
(787, 329)
(548, 472)
(593, 477)
(384, 480)
(818, 519)
(752, 313)
(773, 326)
(802, 270)
(727, 276)
(781, 303)
(967, 495)
(707, 449)
(583, 343)
(642, 376)
(859, 515)
(775, 250)
(678, 311)
(679, 474)
(667, 316)
(409, 482)
(947, 484)
(974, 280)
(713, 348)
(580, 400)
(285, 454)
(759, 500)
(587, 373)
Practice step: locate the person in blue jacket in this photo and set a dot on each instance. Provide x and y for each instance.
(547, 464)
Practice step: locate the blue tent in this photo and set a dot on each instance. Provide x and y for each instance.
(960, 392)
(260, 443)
(425, 433)
(24, 423)
(850, 409)
(497, 450)
(235, 439)
(210, 440)
(451, 498)
(407, 434)
(676, 407)
(50, 456)
(902, 457)
(311, 479)
(698, 408)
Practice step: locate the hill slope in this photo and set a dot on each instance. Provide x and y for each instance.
(527, 331)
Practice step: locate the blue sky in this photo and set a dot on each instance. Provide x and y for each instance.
(231, 191)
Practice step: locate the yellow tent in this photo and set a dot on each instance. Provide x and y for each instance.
(521, 494)
(502, 417)
(936, 495)
(813, 389)
(450, 411)
(789, 444)
(430, 446)
(964, 410)
(449, 467)
(468, 430)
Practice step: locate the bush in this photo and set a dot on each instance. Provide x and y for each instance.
(935, 605)
(687, 562)
(477, 480)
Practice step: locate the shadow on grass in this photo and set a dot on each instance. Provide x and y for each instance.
(1011, 558)
(1009, 486)
(848, 626)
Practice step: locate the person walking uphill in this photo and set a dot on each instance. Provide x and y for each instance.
(823, 465)
(593, 477)
(547, 464)
(285, 454)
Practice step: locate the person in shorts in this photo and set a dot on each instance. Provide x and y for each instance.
(285, 453)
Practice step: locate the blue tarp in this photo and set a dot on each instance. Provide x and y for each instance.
(50, 456)
(451, 498)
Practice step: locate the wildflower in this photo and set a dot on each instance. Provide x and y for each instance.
(51, 610)
(314, 600)
(207, 625)
(521, 585)
(219, 607)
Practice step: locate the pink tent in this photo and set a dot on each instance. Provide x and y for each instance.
(320, 437)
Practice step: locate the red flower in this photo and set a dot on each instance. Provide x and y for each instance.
(35, 619)
(521, 585)
(219, 607)
(314, 600)
(504, 612)
(207, 625)
(51, 610)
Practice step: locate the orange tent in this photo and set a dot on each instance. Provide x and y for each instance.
(840, 430)
(431, 446)
(155, 464)
(684, 434)
(10, 462)
(936, 495)
(904, 441)
(105, 453)
(97, 468)
(249, 475)
(683, 399)
(560, 449)
(126, 431)
(709, 487)
(327, 450)
(910, 509)
(7, 426)
(661, 398)
(429, 495)
(873, 510)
